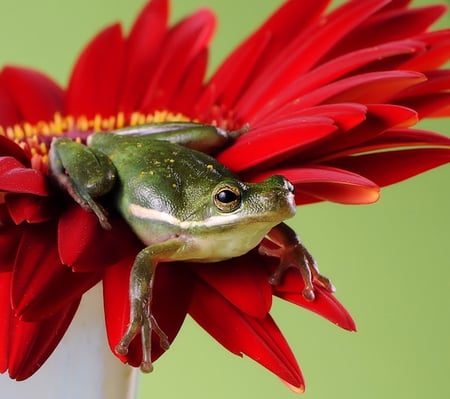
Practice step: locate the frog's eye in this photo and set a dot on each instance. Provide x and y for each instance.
(227, 198)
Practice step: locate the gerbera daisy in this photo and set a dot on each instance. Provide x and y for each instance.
(330, 105)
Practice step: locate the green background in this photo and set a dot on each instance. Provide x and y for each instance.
(389, 261)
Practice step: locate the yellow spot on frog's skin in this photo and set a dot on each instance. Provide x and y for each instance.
(171, 160)
(210, 166)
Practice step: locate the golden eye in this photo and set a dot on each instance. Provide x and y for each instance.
(227, 198)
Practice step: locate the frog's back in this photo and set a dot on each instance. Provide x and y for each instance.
(159, 175)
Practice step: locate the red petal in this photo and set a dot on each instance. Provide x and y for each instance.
(370, 88)
(431, 96)
(325, 304)
(242, 281)
(9, 113)
(190, 85)
(142, 52)
(9, 242)
(94, 86)
(302, 54)
(384, 27)
(436, 81)
(25, 346)
(337, 69)
(397, 138)
(36, 95)
(272, 143)
(172, 295)
(322, 183)
(391, 167)
(86, 247)
(16, 178)
(11, 149)
(379, 118)
(77, 229)
(230, 79)
(182, 45)
(117, 308)
(431, 105)
(30, 208)
(42, 286)
(260, 339)
(437, 54)
(7, 321)
(344, 115)
(393, 5)
(253, 55)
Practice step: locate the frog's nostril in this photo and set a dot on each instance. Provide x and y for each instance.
(289, 186)
(281, 182)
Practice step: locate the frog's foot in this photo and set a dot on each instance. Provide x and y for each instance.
(142, 321)
(298, 256)
(83, 199)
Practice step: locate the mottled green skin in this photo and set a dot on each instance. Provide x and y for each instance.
(162, 176)
(179, 181)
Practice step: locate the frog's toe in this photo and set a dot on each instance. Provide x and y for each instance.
(308, 294)
(325, 282)
(123, 345)
(146, 366)
(121, 349)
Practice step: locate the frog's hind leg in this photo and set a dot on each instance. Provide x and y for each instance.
(83, 173)
(141, 317)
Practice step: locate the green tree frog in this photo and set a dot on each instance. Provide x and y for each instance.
(182, 203)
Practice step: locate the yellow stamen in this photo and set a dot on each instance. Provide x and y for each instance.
(35, 138)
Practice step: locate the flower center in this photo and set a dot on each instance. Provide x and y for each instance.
(35, 139)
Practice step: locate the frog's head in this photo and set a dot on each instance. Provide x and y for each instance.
(237, 217)
(269, 201)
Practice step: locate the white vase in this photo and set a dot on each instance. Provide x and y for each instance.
(82, 365)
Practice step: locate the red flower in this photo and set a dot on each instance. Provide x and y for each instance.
(330, 99)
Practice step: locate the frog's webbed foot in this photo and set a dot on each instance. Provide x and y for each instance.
(292, 253)
(142, 321)
(84, 199)
(141, 288)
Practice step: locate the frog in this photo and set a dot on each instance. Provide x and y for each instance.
(184, 206)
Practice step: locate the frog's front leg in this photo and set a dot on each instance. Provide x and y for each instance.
(292, 253)
(84, 173)
(141, 317)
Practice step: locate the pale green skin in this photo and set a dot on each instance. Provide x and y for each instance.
(167, 188)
